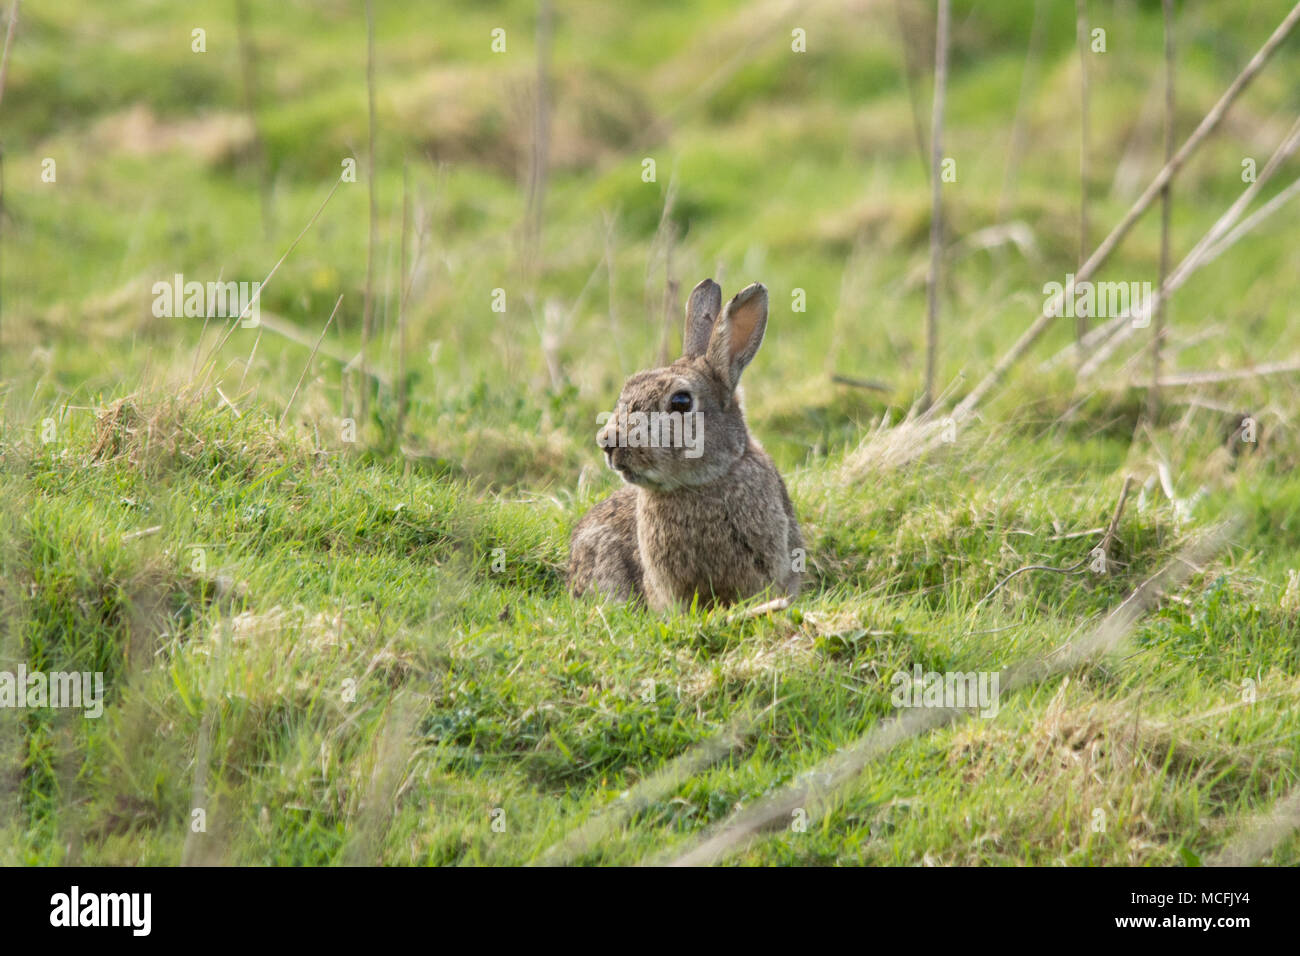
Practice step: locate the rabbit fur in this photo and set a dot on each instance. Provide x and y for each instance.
(711, 522)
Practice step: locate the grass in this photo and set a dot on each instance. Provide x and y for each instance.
(346, 652)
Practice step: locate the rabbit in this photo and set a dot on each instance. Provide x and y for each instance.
(712, 521)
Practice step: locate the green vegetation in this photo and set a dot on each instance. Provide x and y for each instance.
(363, 651)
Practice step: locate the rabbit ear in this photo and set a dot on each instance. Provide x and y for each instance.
(738, 333)
(702, 310)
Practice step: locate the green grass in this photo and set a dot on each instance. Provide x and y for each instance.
(364, 651)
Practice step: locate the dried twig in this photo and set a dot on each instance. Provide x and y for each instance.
(933, 277)
(861, 383)
(1213, 376)
(227, 402)
(758, 610)
(1103, 546)
(1251, 221)
(1108, 245)
(1122, 327)
(404, 287)
(9, 39)
(539, 152)
(662, 242)
(367, 312)
(1158, 328)
(4, 73)
(911, 76)
(1081, 36)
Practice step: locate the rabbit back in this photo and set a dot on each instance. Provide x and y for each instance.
(603, 553)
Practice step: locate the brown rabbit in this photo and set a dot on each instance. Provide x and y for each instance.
(709, 517)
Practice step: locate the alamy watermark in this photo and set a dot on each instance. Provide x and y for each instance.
(211, 300)
(652, 430)
(132, 911)
(947, 689)
(57, 689)
(1100, 300)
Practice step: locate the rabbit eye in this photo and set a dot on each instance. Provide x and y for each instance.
(680, 402)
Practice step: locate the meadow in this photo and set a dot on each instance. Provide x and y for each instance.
(320, 559)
